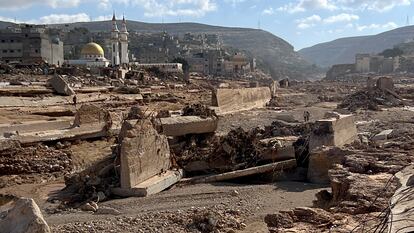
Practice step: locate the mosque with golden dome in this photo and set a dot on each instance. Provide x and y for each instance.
(93, 55)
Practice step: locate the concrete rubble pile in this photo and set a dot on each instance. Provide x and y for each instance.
(375, 95)
(370, 100)
(362, 181)
(239, 149)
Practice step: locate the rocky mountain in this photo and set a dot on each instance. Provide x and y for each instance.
(343, 50)
(273, 54)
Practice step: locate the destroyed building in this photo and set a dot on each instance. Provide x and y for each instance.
(30, 44)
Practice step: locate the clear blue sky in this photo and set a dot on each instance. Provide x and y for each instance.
(301, 22)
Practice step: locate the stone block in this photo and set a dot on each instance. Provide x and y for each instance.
(277, 148)
(233, 100)
(24, 216)
(143, 153)
(183, 125)
(335, 131)
(61, 86)
(151, 186)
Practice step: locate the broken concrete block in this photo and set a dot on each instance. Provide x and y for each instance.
(273, 88)
(335, 131)
(383, 135)
(61, 86)
(385, 83)
(143, 153)
(232, 100)
(183, 125)
(321, 160)
(151, 186)
(92, 114)
(24, 216)
(277, 148)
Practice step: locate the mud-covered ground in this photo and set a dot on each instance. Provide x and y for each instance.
(232, 206)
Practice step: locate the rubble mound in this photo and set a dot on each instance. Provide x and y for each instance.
(92, 114)
(22, 164)
(92, 184)
(198, 110)
(237, 150)
(369, 100)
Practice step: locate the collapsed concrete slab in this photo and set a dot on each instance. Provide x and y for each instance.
(232, 100)
(61, 86)
(24, 216)
(35, 126)
(338, 130)
(143, 153)
(151, 186)
(183, 125)
(277, 148)
(90, 122)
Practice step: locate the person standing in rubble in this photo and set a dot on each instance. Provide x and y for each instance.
(306, 116)
(75, 99)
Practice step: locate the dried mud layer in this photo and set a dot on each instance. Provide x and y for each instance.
(33, 164)
(357, 198)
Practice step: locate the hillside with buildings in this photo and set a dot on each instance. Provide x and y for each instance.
(273, 54)
(343, 50)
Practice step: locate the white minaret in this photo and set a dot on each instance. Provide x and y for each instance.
(123, 39)
(115, 43)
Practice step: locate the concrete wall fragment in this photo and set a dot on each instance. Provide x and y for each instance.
(61, 86)
(335, 131)
(143, 153)
(183, 125)
(232, 100)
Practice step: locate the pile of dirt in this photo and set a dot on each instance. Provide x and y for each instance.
(198, 110)
(369, 100)
(24, 164)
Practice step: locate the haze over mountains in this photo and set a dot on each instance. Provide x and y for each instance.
(343, 50)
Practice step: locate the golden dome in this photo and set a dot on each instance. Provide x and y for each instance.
(92, 49)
